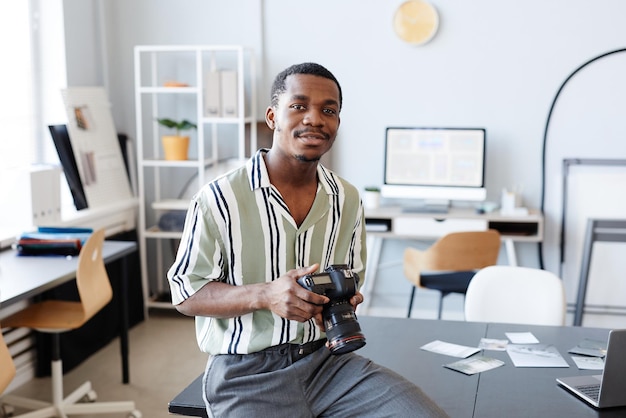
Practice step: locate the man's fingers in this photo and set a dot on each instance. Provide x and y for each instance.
(303, 271)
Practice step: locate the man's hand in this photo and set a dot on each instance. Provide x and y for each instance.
(286, 298)
(356, 300)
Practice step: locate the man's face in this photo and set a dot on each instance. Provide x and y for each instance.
(306, 119)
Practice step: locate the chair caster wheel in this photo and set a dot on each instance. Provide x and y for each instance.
(90, 396)
(7, 411)
(135, 414)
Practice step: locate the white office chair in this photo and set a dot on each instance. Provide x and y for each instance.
(519, 295)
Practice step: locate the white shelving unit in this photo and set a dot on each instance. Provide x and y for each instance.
(218, 138)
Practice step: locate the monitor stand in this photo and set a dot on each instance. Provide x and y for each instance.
(428, 206)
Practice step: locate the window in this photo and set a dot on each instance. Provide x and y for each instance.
(32, 75)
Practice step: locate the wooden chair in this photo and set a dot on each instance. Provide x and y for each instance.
(7, 370)
(519, 295)
(58, 316)
(450, 263)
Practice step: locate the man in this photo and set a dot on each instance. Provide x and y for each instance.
(249, 235)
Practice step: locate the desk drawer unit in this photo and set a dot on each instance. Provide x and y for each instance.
(435, 227)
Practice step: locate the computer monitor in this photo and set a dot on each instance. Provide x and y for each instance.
(62, 142)
(434, 165)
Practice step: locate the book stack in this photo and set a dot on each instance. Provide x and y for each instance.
(53, 241)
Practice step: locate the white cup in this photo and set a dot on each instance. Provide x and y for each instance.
(371, 199)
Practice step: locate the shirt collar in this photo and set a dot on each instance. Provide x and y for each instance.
(259, 178)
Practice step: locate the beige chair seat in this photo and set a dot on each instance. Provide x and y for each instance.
(67, 316)
(450, 263)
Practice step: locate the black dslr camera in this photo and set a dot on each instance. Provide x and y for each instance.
(339, 284)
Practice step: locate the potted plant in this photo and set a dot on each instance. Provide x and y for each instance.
(371, 197)
(176, 146)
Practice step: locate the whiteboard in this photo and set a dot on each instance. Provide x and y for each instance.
(96, 146)
(594, 189)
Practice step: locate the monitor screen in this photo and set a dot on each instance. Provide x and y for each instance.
(62, 142)
(435, 164)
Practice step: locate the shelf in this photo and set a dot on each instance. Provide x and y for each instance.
(187, 48)
(155, 232)
(177, 163)
(216, 141)
(390, 222)
(226, 120)
(518, 228)
(159, 305)
(168, 90)
(160, 301)
(171, 204)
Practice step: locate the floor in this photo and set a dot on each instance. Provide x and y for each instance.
(164, 358)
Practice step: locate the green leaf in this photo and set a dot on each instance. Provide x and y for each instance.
(168, 123)
(179, 126)
(185, 124)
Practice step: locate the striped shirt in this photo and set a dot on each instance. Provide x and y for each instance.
(238, 230)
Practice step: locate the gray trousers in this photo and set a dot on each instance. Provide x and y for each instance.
(279, 382)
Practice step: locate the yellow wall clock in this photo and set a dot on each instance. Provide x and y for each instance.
(416, 21)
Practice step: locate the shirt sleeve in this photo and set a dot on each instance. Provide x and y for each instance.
(199, 257)
(361, 250)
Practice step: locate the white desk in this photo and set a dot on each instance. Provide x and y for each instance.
(24, 277)
(390, 222)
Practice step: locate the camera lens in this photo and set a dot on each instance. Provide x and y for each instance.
(342, 328)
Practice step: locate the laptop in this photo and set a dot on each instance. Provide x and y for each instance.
(605, 390)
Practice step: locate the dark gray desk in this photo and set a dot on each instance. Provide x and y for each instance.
(24, 277)
(507, 391)
(533, 392)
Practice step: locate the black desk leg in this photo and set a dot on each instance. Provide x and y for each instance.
(598, 230)
(584, 273)
(124, 320)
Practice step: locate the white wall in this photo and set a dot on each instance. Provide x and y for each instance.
(493, 64)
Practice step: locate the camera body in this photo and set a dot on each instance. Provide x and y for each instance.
(339, 284)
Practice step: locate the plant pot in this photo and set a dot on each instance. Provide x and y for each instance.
(175, 147)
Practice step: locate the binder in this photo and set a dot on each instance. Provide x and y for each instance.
(212, 100)
(229, 94)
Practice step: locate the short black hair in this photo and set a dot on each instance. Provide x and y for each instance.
(278, 87)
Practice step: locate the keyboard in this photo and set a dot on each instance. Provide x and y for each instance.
(592, 391)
